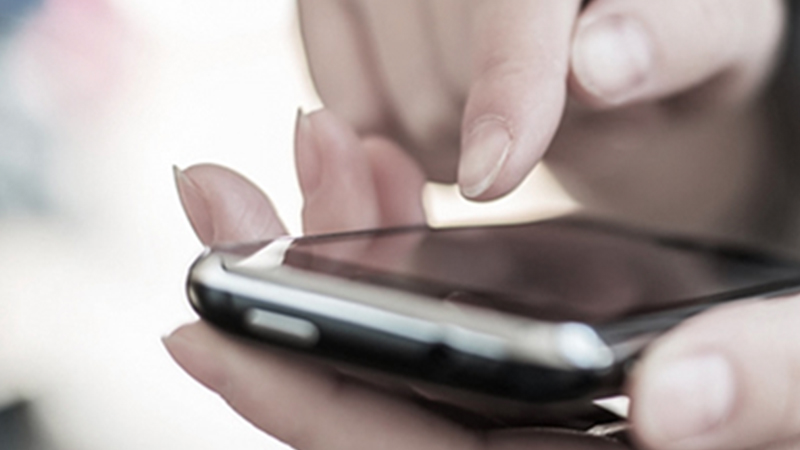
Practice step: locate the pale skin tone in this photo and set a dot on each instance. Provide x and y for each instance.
(491, 81)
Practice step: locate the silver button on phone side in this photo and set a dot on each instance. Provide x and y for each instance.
(290, 330)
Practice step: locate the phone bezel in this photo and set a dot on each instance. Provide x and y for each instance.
(481, 332)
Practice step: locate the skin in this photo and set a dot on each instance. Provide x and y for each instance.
(540, 73)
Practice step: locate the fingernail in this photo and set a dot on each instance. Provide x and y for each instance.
(689, 398)
(194, 205)
(486, 150)
(306, 157)
(197, 360)
(612, 57)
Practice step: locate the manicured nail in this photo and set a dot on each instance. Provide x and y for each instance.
(194, 205)
(485, 151)
(612, 57)
(196, 359)
(306, 156)
(689, 398)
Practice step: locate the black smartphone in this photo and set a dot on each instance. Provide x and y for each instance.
(547, 311)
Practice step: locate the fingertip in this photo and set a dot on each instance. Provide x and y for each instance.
(484, 154)
(499, 151)
(331, 129)
(680, 401)
(627, 51)
(512, 114)
(719, 380)
(509, 122)
(611, 58)
(307, 157)
(194, 205)
(225, 207)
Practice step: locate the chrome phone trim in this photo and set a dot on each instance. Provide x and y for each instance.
(489, 334)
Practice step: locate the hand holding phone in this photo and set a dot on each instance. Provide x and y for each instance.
(300, 403)
(273, 389)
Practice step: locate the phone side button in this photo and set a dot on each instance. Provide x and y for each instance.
(279, 327)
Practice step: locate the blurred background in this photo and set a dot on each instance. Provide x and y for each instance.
(98, 99)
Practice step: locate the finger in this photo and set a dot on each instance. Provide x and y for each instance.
(451, 29)
(628, 51)
(304, 405)
(398, 183)
(335, 176)
(724, 380)
(225, 207)
(341, 64)
(423, 102)
(517, 98)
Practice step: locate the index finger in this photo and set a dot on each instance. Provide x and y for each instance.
(516, 101)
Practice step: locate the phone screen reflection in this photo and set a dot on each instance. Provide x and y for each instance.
(559, 269)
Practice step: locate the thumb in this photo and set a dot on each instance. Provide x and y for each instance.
(517, 97)
(727, 379)
(225, 207)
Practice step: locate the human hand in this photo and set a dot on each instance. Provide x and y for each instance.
(723, 380)
(756, 364)
(627, 145)
(351, 184)
(493, 79)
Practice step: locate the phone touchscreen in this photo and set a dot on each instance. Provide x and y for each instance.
(563, 269)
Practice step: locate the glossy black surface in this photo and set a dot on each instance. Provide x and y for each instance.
(565, 269)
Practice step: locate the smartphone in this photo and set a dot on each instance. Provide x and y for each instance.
(547, 311)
